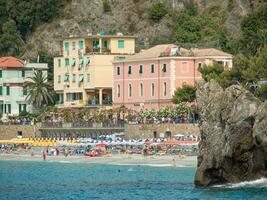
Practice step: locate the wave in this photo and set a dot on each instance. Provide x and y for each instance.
(259, 183)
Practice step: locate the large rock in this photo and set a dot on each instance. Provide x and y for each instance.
(233, 130)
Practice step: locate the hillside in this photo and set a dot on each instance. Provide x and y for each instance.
(128, 17)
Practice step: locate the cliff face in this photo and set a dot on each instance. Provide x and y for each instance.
(129, 17)
(233, 130)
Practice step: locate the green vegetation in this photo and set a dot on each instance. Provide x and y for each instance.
(186, 93)
(253, 31)
(106, 6)
(157, 11)
(18, 18)
(39, 90)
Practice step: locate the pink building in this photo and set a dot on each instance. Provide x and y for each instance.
(149, 79)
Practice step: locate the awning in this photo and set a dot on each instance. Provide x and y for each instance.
(81, 61)
(81, 78)
(66, 78)
(87, 61)
(73, 63)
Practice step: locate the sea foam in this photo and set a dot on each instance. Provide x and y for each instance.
(259, 183)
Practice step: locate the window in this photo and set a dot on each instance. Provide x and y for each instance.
(118, 71)
(7, 108)
(141, 69)
(73, 78)
(1, 90)
(164, 89)
(73, 45)
(24, 91)
(96, 44)
(152, 68)
(105, 44)
(1, 108)
(59, 79)
(67, 62)
(120, 44)
(80, 44)
(119, 90)
(81, 62)
(164, 67)
(141, 89)
(7, 90)
(130, 90)
(22, 108)
(88, 77)
(59, 62)
(66, 46)
(1, 74)
(199, 65)
(22, 73)
(130, 70)
(152, 89)
(184, 68)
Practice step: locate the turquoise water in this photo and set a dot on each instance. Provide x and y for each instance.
(46, 180)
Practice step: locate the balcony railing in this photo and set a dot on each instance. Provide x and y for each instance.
(97, 51)
(95, 102)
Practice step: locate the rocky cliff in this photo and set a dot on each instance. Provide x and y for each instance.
(127, 16)
(233, 130)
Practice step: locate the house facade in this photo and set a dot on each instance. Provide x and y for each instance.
(83, 70)
(149, 79)
(13, 73)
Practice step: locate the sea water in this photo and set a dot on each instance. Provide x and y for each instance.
(51, 180)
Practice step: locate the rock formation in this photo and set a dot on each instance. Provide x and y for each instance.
(233, 130)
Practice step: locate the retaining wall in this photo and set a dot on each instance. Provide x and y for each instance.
(147, 130)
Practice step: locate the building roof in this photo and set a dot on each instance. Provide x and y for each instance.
(172, 50)
(210, 52)
(11, 62)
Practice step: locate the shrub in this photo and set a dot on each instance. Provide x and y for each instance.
(106, 6)
(186, 93)
(157, 11)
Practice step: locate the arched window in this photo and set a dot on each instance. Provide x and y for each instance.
(119, 90)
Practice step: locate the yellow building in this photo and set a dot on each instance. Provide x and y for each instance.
(83, 70)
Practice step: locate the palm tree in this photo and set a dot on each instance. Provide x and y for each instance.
(39, 90)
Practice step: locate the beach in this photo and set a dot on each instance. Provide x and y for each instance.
(117, 159)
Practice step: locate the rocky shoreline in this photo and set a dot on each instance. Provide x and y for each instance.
(233, 128)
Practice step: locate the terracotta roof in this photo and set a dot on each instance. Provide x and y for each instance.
(165, 49)
(210, 52)
(153, 52)
(11, 62)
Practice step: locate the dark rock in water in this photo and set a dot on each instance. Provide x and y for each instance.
(233, 129)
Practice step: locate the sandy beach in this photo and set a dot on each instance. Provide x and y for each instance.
(119, 159)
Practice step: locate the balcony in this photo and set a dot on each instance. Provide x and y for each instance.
(93, 51)
(95, 102)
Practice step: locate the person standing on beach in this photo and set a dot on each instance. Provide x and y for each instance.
(44, 155)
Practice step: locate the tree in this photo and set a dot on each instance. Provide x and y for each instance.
(39, 90)
(191, 7)
(253, 31)
(186, 93)
(211, 71)
(157, 11)
(185, 28)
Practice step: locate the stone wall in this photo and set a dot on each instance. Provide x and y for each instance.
(147, 130)
(10, 131)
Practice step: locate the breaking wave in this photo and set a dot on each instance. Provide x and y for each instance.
(259, 183)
